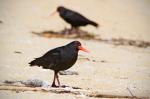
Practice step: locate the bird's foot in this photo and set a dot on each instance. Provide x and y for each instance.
(72, 31)
(53, 85)
(61, 86)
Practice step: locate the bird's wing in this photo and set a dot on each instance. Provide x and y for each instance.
(49, 59)
(76, 16)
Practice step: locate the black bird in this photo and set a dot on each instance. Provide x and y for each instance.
(60, 58)
(74, 18)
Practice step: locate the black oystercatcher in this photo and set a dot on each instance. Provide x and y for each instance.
(60, 58)
(74, 18)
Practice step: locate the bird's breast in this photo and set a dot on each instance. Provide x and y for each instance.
(68, 61)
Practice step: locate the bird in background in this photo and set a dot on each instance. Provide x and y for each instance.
(74, 18)
(58, 59)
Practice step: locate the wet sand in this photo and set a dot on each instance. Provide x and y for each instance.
(112, 69)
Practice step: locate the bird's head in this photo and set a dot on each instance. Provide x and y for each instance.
(59, 9)
(77, 45)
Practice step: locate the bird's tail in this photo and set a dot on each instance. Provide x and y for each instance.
(93, 23)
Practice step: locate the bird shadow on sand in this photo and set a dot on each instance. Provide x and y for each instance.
(67, 33)
(81, 34)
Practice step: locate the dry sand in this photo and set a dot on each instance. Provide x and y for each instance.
(123, 66)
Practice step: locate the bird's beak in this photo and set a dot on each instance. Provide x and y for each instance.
(53, 13)
(83, 49)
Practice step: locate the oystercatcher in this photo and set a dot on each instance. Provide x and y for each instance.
(74, 18)
(58, 59)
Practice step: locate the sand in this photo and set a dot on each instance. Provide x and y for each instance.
(112, 69)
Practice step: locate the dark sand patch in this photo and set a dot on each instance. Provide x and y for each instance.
(68, 72)
(1, 21)
(17, 52)
(80, 34)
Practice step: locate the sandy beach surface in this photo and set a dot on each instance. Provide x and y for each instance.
(111, 69)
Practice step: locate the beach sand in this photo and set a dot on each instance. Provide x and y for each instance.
(111, 69)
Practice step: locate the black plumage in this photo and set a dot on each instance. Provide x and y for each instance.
(74, 18)
(58, 59)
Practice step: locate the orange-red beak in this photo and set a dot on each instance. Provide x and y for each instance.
(53, 13)
(83, 49)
